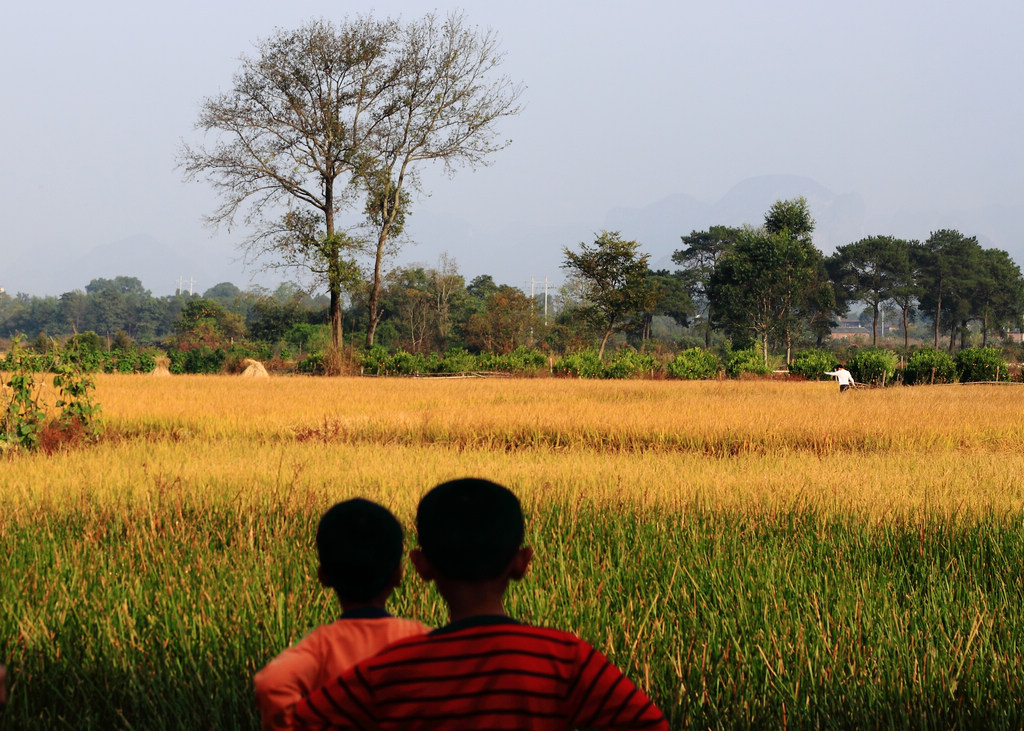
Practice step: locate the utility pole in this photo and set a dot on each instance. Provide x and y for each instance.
(533, 296)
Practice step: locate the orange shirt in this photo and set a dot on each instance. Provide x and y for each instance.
(319, 658)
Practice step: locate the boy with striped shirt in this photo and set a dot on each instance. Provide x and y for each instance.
(483, 670)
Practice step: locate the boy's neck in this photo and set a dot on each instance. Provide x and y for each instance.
(471, 599)
(348, 607)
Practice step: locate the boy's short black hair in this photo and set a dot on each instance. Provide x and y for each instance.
(470, 529)
(360, 545)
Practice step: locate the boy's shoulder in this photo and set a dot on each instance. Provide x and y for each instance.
(346, 641)
(492, 632)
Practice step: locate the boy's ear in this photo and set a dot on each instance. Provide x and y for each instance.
(422, 564)
(396, 575)
(520, 563)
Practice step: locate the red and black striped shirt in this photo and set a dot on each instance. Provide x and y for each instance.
(483, 673)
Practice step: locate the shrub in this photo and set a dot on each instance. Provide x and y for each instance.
(146, 363)
(812, 364)
(873, 365)
(408, 364)
(458, 360)
(203, 359)
(521, 361)
(693, 364)
(582, 364)
(981, 364)
(312, 364)
(375, 360)
(929, 365)
(749, 360)
(629, 363)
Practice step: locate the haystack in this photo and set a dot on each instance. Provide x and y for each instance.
(254, 369)
(163, 367)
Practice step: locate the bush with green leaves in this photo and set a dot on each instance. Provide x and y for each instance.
(974, 365)
(812, 364)
(630, 363)
(581, 364)
(203, 359)
(693, 364)
(374, 360)
(458, 360)
(521, 361)
(312, 365)
(875, 366)
(127, 361)
(929, 365)
(749, 360)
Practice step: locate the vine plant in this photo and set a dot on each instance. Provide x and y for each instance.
(27, 422)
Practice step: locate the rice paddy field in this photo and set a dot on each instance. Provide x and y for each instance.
(755, 554)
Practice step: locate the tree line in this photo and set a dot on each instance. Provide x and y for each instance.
(772, 286)
(735, 288)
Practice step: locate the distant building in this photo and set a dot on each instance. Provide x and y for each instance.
(850, 330)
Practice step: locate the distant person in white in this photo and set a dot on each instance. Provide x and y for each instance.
(843, 376)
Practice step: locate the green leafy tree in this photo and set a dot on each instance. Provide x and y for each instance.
(947, 268)
(697, 264)
(506, 322)
(205, 323)
(870, 270)
(613, 277)
(905, 290)
(998, 294)
(800, 281)
(761, 287)
(667, 297)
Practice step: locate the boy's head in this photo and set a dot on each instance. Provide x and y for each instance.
(470, 529)
(360, 548)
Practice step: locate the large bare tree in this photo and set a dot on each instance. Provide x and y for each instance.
(325, 114)
(287, 138)
(444, 106)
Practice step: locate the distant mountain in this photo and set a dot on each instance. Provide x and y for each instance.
(159, 266)
(517, 253)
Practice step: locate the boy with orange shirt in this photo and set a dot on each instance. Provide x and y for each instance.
(359, 544)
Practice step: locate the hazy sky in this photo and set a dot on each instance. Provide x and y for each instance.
(915, 106)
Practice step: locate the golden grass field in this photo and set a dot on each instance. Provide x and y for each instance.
(757, 554)
(718, 444)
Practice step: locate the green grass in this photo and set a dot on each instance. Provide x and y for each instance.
(157, 617)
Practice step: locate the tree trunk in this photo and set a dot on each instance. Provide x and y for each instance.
(874, 327)
(604, 340)
(707, 331)
(373, 303)
(333, 268)
(336, 332)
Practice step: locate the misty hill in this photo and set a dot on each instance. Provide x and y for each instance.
(155, 263)
(514, 254)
